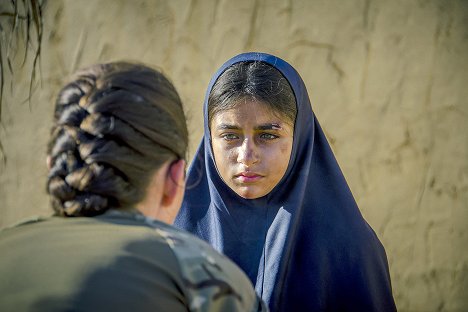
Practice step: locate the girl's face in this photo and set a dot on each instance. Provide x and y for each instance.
(251, 147)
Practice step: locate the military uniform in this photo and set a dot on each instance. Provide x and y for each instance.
(120, 261)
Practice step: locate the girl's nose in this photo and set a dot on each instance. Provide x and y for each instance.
(248, 153)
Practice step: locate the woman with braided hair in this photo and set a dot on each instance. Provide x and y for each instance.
(116, 182)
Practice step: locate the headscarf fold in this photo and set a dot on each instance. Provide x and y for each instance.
(305, 246)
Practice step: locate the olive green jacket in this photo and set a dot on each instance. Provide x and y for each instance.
(120, 261)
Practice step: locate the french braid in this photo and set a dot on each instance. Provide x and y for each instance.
(115, 124)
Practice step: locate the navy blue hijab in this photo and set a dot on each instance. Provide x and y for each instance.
(305, 246)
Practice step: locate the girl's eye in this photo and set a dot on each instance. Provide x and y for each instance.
(229, 136)
(268, 136)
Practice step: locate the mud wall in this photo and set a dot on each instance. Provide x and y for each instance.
(387, 80)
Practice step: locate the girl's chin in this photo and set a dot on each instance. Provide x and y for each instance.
(249, 192)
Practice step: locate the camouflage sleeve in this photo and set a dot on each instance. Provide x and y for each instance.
(212, 282)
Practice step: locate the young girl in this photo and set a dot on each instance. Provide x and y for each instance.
(265, 189)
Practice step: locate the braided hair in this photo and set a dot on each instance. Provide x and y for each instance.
(115, 124)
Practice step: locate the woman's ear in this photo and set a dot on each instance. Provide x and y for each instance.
(165, 192)
(174, 184)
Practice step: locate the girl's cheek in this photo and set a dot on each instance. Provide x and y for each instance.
(231, 154)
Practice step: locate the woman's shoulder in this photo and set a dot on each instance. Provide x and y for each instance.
(25, 221)
(212, 281)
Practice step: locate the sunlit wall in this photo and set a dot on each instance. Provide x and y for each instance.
(388, 81)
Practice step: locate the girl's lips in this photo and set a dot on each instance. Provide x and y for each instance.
(247, 177)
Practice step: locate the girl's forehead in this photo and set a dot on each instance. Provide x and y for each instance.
(248, 109)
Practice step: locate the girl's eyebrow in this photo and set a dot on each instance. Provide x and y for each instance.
(269, 126)
(227, 127)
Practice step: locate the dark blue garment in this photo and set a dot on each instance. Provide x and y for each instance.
(305, 245)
